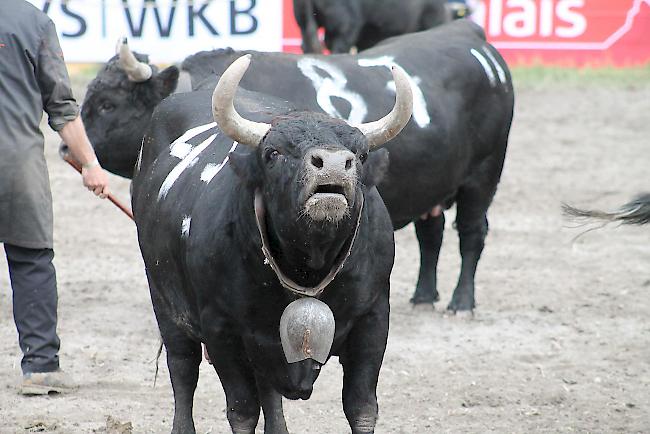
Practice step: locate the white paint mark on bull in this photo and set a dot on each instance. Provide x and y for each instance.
(500, 72)
(193, 132)
(189, 161)
(331, 86)
(211, 169)
(420, 111)
(185, 226)
(486, 66)
(378, 61)
(180, 148)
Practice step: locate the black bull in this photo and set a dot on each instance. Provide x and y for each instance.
(195, 206)
(452, 151)
(363, 23)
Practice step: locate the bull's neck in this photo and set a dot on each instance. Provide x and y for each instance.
(308, 252)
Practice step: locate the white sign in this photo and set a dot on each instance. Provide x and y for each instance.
(167, 30)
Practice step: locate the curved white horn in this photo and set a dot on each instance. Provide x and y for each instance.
(136, 71)
(384, 129)
(236, 127)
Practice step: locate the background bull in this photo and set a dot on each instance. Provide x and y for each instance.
(231, 240)
(452, 151)
(118, 105)
(363, 23)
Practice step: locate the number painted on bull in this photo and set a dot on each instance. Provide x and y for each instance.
(332, 85)
(329, 82)
(189, 155)
(420, 112)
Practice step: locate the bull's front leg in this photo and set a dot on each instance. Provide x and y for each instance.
(361, 360)
(237, 379)
(271, 400)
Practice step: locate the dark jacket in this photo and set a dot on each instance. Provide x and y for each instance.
(33, 78)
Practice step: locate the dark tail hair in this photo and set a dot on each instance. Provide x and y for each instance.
(635, 212)
(158, 353)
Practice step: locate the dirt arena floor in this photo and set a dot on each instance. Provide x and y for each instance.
(560, 341)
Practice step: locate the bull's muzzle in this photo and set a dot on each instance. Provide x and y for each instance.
(330, 180)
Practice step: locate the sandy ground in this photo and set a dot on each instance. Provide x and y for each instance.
(560, 341)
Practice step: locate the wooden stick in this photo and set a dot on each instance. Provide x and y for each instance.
(74, 163)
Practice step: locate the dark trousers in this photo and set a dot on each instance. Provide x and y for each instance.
(33, 281)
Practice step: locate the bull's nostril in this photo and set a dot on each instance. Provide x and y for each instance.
(348, 164)
(317, 161)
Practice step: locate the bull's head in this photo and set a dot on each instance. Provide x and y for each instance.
(118, 106)
(312, 166)
(311, 174)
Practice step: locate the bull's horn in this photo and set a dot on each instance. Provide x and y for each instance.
(384, 129)
(236, 127)
(136, 71)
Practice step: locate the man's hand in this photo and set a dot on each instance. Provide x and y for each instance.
(96, 180)
(94, 177)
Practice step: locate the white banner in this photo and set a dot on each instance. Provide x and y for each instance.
(167, 30)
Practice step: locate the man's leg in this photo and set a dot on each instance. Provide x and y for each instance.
(33, 280)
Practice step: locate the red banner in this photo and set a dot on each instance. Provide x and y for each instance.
(291, 32)
(552, 32)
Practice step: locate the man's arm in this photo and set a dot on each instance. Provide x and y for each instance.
(74, 135)
(62, 109)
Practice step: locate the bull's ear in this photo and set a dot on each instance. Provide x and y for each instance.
(246, 167)
(167, 80)
(375, 167)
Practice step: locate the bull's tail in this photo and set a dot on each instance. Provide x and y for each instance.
(306, 19)
(635, 212)
(158, 353)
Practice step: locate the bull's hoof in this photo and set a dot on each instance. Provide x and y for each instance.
(422, 297)
(466, 305)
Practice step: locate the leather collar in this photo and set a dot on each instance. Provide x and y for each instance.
(284, 279)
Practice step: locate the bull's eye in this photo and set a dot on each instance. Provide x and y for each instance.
(271, 155)
(106, 107)
(363, 157)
